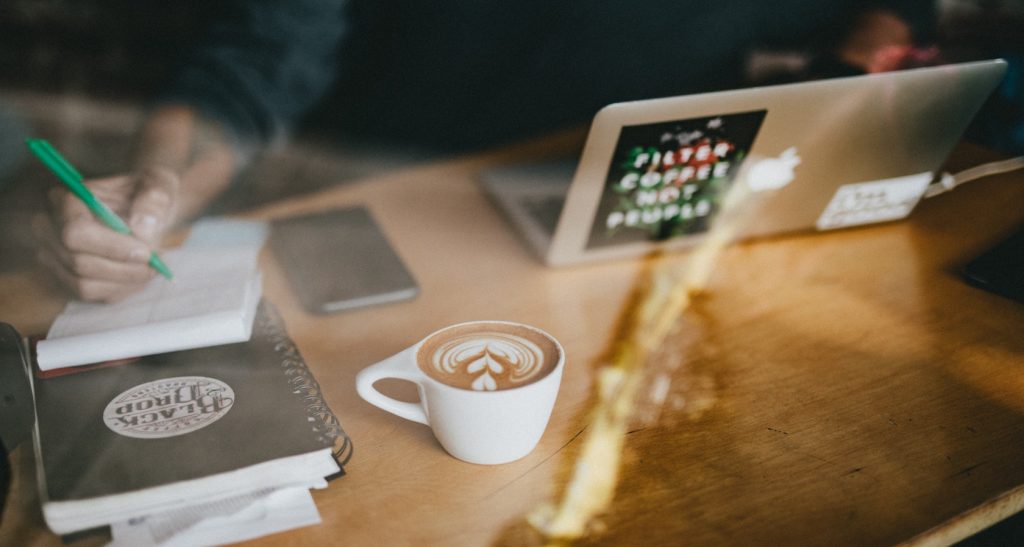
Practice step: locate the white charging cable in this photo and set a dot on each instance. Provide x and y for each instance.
(947, 181)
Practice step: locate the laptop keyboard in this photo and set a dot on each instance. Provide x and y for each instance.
(544, 209)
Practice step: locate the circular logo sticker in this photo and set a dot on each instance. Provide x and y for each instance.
(168, 407)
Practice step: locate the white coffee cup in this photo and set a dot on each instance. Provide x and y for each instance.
(486, 387)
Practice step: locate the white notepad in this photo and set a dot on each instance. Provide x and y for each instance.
(211, 300)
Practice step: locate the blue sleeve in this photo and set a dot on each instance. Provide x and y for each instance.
(261, 66)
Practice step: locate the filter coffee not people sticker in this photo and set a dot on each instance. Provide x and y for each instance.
(875, 201)
(668, 179)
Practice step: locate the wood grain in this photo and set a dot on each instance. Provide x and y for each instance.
(841, 388)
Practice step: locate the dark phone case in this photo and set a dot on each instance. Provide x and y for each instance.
(339, 260)
(1001, 268)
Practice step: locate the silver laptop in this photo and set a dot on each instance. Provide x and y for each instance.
(830, 154)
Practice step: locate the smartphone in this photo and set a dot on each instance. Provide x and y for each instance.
(339, 260)
(1001, 268)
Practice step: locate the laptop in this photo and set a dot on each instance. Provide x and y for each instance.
(818, 155)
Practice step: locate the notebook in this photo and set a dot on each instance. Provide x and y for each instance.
(180, 429)
(819, 155)
(211, 300)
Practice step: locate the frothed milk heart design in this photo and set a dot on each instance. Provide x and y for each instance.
(484, 361)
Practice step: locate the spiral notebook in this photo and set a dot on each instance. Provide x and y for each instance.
(180, 429)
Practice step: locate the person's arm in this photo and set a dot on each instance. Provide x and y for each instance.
(260, 66)
(183, 161)
(242, 88)
(195, 150)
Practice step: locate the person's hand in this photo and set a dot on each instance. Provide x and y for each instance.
(873, 31)
(92, 260)
(880, 41)
(889, 58)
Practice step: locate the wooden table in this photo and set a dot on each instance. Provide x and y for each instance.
(843, 388)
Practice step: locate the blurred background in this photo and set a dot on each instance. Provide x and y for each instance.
(77, 67)
(72, 64)
(81, 72)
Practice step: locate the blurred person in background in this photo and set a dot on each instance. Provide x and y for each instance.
(449, 75)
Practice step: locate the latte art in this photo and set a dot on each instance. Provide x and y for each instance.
(488, 356)
(489, 359)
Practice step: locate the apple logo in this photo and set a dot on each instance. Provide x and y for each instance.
(773, 173)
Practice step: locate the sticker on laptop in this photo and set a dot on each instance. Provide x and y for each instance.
(668, 179)
(875, 201)
(168, 407)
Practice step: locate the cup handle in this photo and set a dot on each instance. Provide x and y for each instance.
(396, 366)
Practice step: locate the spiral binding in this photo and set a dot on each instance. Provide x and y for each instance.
(323, 421)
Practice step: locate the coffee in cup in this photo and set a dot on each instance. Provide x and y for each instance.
(486, 388)
(487, 356)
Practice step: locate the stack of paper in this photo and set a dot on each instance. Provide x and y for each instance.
(236, 519)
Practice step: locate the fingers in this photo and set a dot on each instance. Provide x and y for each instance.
(92, 276)
(872, 31)
(888, 58)
(73, 229)
(86, 288)
(154, 204)
(891, 58)
(92, 260)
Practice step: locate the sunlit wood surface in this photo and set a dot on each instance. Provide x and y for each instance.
(831, 389)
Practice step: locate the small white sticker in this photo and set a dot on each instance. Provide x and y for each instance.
(168, 407)
(876, 201)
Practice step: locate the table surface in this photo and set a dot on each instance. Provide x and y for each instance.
(838, 388)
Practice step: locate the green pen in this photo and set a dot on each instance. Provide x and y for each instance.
(73, 180)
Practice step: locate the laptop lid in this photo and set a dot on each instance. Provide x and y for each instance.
(837, 153)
